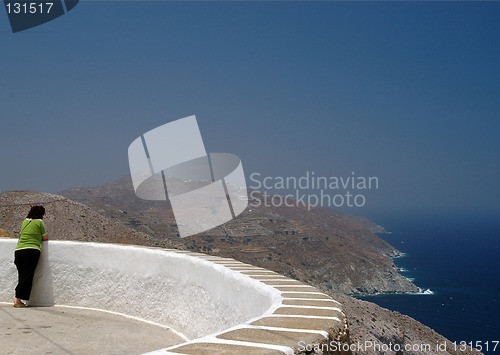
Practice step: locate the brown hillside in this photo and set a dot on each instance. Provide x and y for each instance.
(283, 234)
(66, 220)
(320, 247)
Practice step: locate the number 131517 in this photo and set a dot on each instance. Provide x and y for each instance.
(29, 8)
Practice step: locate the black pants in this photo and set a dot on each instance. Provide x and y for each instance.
(26, 261)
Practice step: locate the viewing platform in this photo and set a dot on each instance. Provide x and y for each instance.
(109, 298)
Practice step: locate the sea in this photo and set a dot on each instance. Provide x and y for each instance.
(456, 261)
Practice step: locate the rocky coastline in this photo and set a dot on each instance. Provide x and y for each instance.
(321, 247)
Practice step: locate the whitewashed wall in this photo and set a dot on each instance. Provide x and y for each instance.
(192, 295)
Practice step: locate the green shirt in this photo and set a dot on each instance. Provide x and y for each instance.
(32, 231)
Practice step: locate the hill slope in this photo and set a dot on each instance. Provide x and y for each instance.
(321, 247)
(66, 220)
(69, 220)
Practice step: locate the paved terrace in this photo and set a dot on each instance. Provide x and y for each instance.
(176, 301)
(63, 330)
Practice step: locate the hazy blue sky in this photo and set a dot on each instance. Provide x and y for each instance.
(408, 92)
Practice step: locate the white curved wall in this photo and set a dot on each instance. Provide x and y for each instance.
(189, 293)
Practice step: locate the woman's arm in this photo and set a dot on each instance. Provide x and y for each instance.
(43, 231)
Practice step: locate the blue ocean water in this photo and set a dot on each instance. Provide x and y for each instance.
(459, 260)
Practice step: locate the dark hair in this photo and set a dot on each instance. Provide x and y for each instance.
(36, 212)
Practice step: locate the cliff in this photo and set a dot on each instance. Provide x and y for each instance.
(323, 248)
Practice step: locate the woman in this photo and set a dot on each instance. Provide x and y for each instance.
(28, 251)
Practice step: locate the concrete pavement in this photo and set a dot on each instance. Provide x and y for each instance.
(63, 330)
